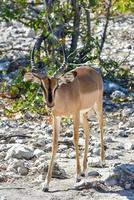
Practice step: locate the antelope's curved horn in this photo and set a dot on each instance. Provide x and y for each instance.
(63, 67)
(39, 66)
(60, 71)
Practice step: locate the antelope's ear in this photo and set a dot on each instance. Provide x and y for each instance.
(74, 73)
(32, 77)
(68, 77)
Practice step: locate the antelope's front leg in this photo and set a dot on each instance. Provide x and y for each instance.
(75, 140)
(56, 129)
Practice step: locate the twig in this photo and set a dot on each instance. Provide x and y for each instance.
(87, 12)
(33, 9)
(9, 96)
(124, 59)
(57, 33)
(10, 136)
(106, 26)
(97, 185)
(113, 70)
(12, 188)
(76, 24)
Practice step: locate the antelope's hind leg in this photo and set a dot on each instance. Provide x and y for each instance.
(99, 112)
(86, 128)
(76, 121)
(56, 129)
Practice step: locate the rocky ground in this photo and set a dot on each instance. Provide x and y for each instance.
(25, 148)
(25, 143)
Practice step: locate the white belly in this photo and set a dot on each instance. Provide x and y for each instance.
(89, 112)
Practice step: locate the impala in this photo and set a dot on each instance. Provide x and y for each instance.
(75, 98)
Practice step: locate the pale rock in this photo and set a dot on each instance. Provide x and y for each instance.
(63, 155)
(122, 133)
(20, 152)
(38, 152)
(120, 146)
(39, 179)
(127, 111)
(129, 146)
(96, 151)
(127, 186)
(48, 147)
(43, 125)
(3, 197)
(29, 33)
(62, 148)
(12, 174)
(41, 159)
(15, 164)
(130, 123)
(20, 141)
(112, 156)
(112, 180)
(22, 171)
(1, 178)
(81, 141)
(118, 94)
(40, 143)
(42, 167)
(68, 141)
(110, 87)
(58, 172)
(109, 139)
(68, 133)
(95, 162)
(49, 129)
(2, 155)
(93, 173)
(71, 155)
(121, 125)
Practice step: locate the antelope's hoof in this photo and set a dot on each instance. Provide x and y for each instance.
(103, 163)
(45, 188)
(83, 174)
(78, 179)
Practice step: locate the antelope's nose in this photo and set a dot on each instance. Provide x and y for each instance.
(50, 105)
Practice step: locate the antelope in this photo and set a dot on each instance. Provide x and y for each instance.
(75, 98)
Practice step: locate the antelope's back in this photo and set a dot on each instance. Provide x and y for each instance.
(79, 94)
(90, 86)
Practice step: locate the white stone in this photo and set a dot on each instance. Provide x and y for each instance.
(39, 179)
(121, 124)
(2, 155)
(118, 94)
(129, 146)
(127, 186)
(127, 112)
(22, 171)
(94, 162)
(30, 33)
(20, 152)
(38, 152)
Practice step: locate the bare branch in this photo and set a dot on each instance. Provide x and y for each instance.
(125, 59)
(88, 24)
(76, 24)
(87, 12)
(106, 26)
